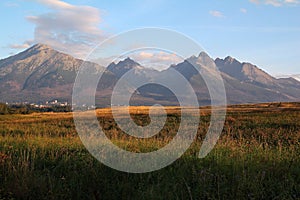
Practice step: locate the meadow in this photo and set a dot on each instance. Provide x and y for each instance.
(256, 157)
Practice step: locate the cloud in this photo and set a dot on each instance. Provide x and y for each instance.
(11, 4)
(276, 3)
(255, 1)
(216, 13)
(243, 10)
(156, 57)
(295, 76)
(20, 46)
(292, 1)
(55, 4)
(153, 59)
(69, 28)
(158, 60)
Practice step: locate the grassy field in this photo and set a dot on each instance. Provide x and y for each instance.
(257, 157)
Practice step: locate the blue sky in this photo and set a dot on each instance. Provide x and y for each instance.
(263, 32)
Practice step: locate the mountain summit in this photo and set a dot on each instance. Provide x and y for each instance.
(244, 71)
(41, 73)
(39, 47)
(124, 66)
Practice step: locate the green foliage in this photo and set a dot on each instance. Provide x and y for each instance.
(3, 109)
(27, 109)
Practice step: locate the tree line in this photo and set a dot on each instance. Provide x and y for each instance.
(27, 109)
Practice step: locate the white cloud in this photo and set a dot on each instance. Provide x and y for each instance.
(276, 3)
(255, 1)
(20, 46)
(216, 13)
(69, 28)
(295, 76)
(55, 4)
(11, 4)
(292, 1)
(243, 10)
(155, 59)
(158, 60)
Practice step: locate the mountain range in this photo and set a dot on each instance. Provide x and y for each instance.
(41, 74)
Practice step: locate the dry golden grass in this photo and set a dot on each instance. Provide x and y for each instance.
(256, 157)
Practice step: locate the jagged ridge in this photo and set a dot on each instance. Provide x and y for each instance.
(42, 73)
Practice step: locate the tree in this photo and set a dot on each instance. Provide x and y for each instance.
(3, 109)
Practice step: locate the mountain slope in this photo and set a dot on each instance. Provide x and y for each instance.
(244, 82)
(247, 73)
(133, 70)
(135, 74)
(41, 73)
(244, 71)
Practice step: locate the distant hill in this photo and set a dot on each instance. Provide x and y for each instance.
(41, 73)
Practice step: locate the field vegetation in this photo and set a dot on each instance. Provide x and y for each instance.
(256, 157)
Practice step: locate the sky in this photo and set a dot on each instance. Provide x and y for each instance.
(263, 32)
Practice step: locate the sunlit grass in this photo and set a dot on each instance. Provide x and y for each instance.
(257, 157)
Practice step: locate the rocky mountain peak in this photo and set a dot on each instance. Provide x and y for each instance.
(42, 73)
(124, 66)
(203, 54)
(37, 48)
(203, 60)
(128, 62)
(40, 46)
(228, 61)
